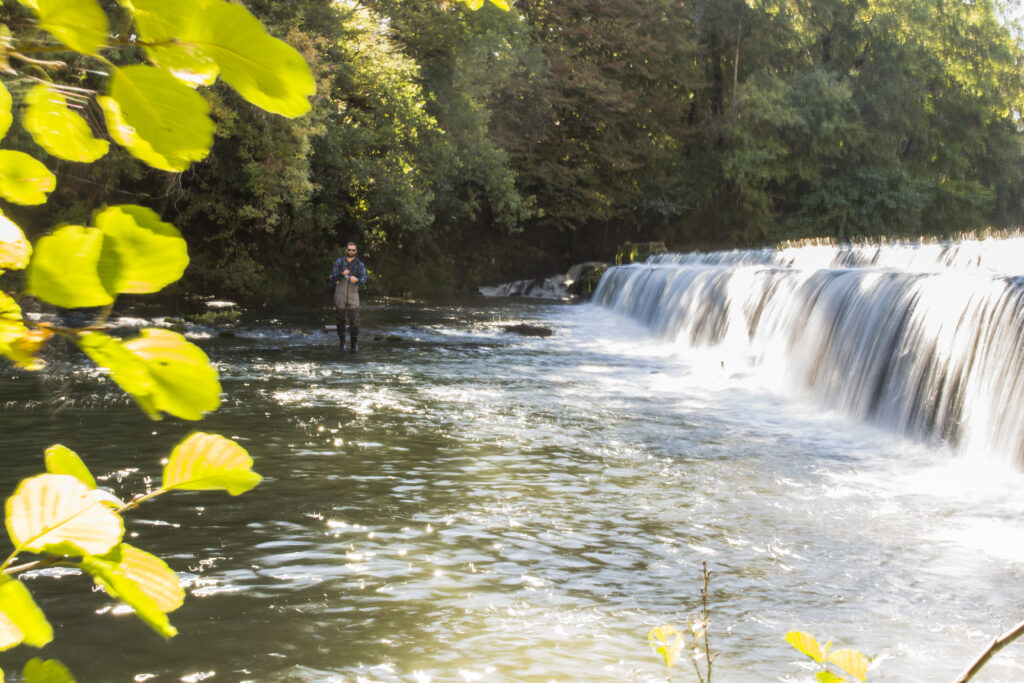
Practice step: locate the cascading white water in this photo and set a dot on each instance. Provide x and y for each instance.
(925, 339)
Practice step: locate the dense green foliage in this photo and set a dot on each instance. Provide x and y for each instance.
(459, 147)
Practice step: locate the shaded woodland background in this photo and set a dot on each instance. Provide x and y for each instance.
(461, 148)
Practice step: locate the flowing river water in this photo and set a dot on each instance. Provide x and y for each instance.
(458, 503)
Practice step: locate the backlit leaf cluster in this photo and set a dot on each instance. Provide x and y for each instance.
(851, 664)
(64, 517)
(156, 110)
(128, 249)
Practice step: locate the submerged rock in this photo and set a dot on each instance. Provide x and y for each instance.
(529, 330)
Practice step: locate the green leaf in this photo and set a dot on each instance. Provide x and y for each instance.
(64, 270)
(204, 462)
(79, 24)
(160, 369)
(157, 118)
(850, 661)
(828, 677)
(805, 643)
(46, 671)
(129, 570)
(6, 118)
(9, 309)
(141, 254)
(15, 250)
(62, 460)
(129, 371)
(667, 641)
(23, 180)
(57, 129)
(59, 515)
(186, 379)
(174, 36)
(141, 580)
(151, 574)
(264, 70)
(228, 38)
(21, 620)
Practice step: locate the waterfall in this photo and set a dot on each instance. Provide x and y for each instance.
(923, 339)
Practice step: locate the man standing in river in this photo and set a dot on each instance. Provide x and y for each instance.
(347, 274)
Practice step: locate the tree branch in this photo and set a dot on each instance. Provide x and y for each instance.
(996, 645)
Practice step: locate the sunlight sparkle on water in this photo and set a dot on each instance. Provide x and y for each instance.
(198, 676)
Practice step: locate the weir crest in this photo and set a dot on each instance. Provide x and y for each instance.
(923, 339)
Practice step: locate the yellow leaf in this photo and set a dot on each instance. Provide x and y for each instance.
(23, 180)
(9, 310)
(21, 620)
(57, 129)
(17, 342)
(141, 254)
(667, 641)
(173, 36)
(6, 118)
(852, 662)
(160, 369)
(22, 345)
(149, 574)
(62, 460)
(210, 462)
(154, 577)
(10, 634)
(46, 671)
(15, 249)
(64, 270)
(58, 514)
(266, 71)
(157, 118)
(185, 383)
(79, 24)
(805, 643)
(142, 581)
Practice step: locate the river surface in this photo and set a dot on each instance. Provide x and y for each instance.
(457, 503)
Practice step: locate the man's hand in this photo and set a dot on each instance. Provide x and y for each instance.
(353, 279)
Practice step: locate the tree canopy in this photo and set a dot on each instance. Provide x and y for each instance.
(459, 146)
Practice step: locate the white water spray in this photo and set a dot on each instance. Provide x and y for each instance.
(925, 339)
